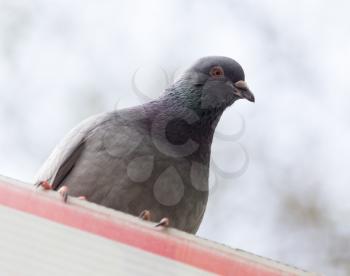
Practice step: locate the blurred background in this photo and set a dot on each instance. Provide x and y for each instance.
(280, 186)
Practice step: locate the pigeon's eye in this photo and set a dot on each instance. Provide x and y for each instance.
(216, 71)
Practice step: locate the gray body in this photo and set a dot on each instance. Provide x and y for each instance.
(151, 157)
(103, 156)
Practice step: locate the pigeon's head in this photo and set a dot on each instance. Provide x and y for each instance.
(216, 82)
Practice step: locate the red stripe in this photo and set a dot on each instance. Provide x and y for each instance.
(151, 240)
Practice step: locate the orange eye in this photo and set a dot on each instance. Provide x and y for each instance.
(216, 71)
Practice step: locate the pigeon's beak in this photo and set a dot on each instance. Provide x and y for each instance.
(241, 90)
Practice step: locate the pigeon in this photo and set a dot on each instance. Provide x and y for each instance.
(151, 160)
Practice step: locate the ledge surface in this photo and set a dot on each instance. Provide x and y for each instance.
(41, 235)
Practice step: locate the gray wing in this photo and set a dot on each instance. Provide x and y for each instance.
(64, 157)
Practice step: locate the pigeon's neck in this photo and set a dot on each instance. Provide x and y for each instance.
(184, 120)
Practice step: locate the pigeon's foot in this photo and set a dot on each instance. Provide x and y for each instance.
(63, 191)
(82, 197)
(145, 215)
(45, 185)
(163, 222)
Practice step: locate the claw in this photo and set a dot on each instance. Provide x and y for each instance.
(163, 222)
(82, 197)
(145, 215)
(63, 191)
(45, 185)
